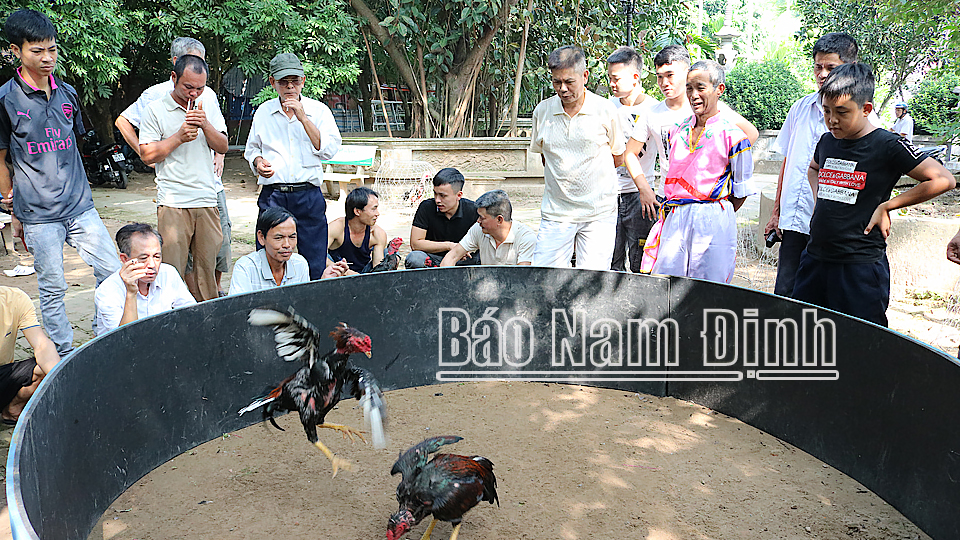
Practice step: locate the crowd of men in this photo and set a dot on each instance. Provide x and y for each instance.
(631, 183)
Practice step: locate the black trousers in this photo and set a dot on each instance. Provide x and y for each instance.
(860, 290)
(791, 247)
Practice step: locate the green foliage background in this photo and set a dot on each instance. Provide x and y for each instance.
(763, 92)
(933, 105)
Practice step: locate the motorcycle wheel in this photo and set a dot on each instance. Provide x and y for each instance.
(122, 182)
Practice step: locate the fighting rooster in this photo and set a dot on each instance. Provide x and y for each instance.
(391, 260)
(315, 388)
(447, 487)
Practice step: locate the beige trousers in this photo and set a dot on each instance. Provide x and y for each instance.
(196, 230)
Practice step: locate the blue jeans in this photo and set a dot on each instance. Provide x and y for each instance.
(88, 235)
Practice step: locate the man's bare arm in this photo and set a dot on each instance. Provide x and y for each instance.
(812, 171)
(453, 256)
(419, 242)
(379, 245)
(6, 181)
(934, 180)
(774, 222)
(128, 132)
(44, 350)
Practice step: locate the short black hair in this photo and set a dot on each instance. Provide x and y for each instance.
(449, 176)
(192, 61)
(357, 200)
(854, 80)
(567, 57)
(126, 233)
(271, 217)
(627, 56)
(496, 203)
(671, 54)
(840, 43)
(28, 25)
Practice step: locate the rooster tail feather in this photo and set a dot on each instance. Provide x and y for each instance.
(274, 422)
(416, 457)
(257, 403)
(489, 480)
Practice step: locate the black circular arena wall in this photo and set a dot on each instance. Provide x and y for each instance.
(872, 403)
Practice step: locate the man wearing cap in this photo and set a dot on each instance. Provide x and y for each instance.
(904, 124)
(291, 135)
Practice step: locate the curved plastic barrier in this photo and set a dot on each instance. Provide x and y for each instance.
(872, 403)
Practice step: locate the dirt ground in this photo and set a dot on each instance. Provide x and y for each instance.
(571, 463)
(716, 486)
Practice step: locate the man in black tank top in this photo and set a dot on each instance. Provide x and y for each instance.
(356, 238)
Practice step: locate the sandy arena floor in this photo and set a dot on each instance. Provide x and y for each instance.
(571, 462)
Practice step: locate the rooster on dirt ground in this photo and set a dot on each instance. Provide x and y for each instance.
(446, 487)
(391, 260)
(315, 388)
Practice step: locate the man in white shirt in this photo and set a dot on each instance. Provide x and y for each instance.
(499, 239)
(275, 264)
(636, 204)
(650, 139)
(289, 138)
(129, 121)
(904, 124)
(578, 135)
(143, 286)
(794, 202)
(178, 135)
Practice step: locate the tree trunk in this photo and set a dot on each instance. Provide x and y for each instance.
(100, 118)
(397, 55)
(366, 105)
(461, 80)
(518, 80)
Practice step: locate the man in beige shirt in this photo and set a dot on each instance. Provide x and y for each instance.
(499, 239)
(18, 380)
(578, 134)
(178, 134)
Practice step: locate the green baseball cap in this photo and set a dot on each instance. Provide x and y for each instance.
(285, 65)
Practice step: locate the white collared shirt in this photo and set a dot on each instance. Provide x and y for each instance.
(185, 178)
(252, 273)
(580, 181)
(516, 248)
(285, 145)
(166, 292)
(797, 140)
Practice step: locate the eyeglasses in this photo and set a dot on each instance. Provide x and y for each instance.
(289, 82)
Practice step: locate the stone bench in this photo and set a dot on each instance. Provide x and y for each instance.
(350, 155)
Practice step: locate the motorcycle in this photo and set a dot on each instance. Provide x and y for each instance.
(938, 153)
(104, 163)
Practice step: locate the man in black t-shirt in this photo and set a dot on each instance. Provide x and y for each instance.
(854, 169)
(441, 222)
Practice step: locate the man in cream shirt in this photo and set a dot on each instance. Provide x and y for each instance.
(178, 134)
(578, 135)
(499, 239)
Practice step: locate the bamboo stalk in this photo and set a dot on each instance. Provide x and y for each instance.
(376, 81)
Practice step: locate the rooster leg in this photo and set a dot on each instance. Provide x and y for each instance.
(337, 462)
(456, 531)
(426, 534)
(347, 431)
